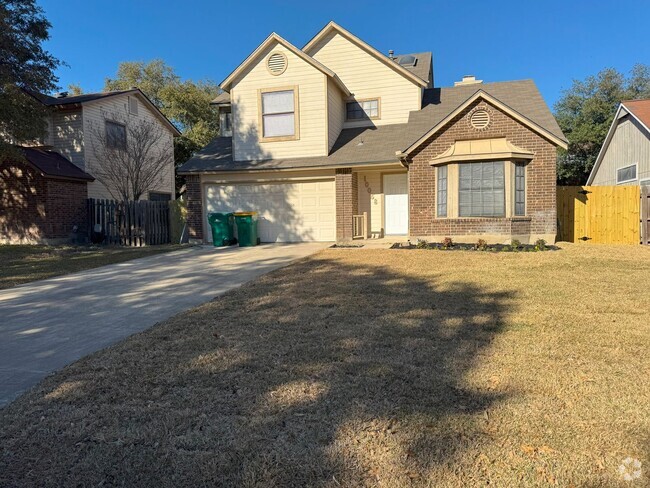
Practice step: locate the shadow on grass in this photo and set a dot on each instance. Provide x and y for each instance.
(326, 372)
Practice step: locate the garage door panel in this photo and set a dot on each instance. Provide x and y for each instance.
(302, 211)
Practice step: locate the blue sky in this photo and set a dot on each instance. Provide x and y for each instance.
(551, 42)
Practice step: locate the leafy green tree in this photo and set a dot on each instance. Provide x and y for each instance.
(24, 65)
(74, 89)
(185, 103)
(585, 113)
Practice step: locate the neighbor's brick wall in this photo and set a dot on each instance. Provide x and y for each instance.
(65, 207)
(194, 206)
(22, 203)
(347, 202)
(540, 182)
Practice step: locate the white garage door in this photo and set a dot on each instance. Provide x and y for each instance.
(288, 212)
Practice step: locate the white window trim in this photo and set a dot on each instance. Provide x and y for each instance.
(644, 182)
(360, 101)
(636, 172)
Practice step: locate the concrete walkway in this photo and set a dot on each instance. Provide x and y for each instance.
(47, 324)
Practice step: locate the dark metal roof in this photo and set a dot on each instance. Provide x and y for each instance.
(52, 164)
(378, 144)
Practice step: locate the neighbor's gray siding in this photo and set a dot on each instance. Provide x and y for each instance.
(630, 144)
(66, 134)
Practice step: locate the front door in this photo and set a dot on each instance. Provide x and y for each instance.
(396, 204)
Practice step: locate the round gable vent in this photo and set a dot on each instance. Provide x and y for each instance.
(277, 63)
(480, 119)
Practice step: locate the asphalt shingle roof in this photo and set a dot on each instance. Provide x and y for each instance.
(640, 109)
(86, 97)
(379, 144)
(54, 165)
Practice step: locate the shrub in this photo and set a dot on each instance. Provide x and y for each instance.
(515, 244)
(447, 243)
(422, 244)
(481, 245)
(540, 245)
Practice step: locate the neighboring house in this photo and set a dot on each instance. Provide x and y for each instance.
(62, 167)
(319, 135)
(624, 158)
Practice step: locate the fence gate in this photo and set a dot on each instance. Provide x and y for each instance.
(129, 223)
(645, 215)
(599, 214)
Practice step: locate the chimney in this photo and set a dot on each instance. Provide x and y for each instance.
(61, 94)
(391, 54)
(468, 80)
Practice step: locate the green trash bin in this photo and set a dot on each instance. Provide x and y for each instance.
(222, 228)
(246, 228)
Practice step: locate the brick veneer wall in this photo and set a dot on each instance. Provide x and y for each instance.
(347, 202)
(540, 180)
(194, 206)
(37, 209)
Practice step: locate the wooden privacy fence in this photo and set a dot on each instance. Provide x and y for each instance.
(129, 223)
(601, 214)
(645, 215)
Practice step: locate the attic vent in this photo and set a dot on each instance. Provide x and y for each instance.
(480, 119)
(277, 63)
(133, 106)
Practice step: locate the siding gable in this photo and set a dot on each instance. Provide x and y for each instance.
(367, 77)
(312, 89)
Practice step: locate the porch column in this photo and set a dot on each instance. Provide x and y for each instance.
(194, 207)
(347, 201)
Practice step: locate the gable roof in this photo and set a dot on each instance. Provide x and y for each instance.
(333, 26)
(222, 99)
(54, 165)
(252, 57)
(378, 144)
(520, 99)
(50, 101)
(640, 110)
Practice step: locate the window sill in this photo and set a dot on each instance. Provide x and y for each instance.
(279, 139)
(486, 219)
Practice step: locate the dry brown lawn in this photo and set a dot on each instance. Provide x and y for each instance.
(25, 263)
(365, 368)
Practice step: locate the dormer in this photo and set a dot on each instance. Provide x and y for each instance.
(384, 89)
(279, 103)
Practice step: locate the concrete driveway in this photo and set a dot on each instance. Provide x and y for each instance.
(47, 324)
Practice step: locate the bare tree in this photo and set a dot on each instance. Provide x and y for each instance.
(131, 155)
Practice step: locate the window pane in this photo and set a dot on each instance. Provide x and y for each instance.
(362, 110)
(279, 125)
(115, 135)
(482, 189)
(441, 198)
(626, 174)
(520, 189)
(277, 102)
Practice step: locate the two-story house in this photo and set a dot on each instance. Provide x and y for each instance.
(43, 195)
(313, 139)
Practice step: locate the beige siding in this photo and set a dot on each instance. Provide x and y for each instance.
(94, 114)
(367, 77)
(66, 134)
(312, 91)
(335, 112)
(371, 200)
(630, 144)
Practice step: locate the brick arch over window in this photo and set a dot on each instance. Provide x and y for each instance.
(541, 176)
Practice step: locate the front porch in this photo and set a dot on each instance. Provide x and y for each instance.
(372, 204)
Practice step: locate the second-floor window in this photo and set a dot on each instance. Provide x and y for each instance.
(362, 109)
(278, 114)
(115, 135)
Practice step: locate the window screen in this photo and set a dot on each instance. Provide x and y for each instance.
(626, 174)
(441, 192)
(115, 135)
(366, 109)
(481, 189)
(520, 189)
(278, 114)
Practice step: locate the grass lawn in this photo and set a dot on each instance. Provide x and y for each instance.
(22, 264)
(365, 368)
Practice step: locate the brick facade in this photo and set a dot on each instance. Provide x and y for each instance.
(38, 209)
(194, 207)
(347, 201)
(540, 216)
